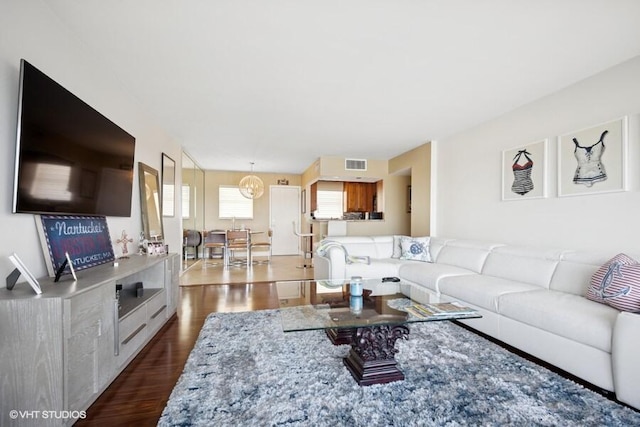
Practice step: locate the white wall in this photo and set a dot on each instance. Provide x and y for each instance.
(29, 30)
(468, 176)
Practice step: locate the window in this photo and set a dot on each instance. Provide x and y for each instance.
(232, 204)
(329, 204)
(186, 200)
(167, 199)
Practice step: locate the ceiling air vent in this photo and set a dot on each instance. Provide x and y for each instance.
(355, 165)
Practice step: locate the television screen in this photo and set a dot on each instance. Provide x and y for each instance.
(70, 159)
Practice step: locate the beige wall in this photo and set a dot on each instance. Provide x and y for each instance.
(334, 167)
(392, 199)
(213, 179)
(417, 163)
(392, 194)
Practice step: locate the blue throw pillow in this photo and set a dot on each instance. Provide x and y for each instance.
(415, 248)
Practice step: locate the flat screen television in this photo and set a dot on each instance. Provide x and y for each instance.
(70, 159)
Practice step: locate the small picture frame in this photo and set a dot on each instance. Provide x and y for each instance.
(283, 182)
(156, 248)
(22, 268)
(70, 263)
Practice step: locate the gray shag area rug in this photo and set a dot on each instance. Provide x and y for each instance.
(244, 370)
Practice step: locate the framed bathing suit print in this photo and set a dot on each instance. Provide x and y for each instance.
(593, 160)
(524, 171)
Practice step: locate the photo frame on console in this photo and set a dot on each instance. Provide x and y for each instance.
(21, 269)
(524, 171)
(593, 160)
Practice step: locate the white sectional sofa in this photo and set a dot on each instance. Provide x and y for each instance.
(530, 298)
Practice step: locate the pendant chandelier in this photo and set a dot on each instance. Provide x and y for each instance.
(251, 186)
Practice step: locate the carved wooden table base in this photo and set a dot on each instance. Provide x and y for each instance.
(371, 359)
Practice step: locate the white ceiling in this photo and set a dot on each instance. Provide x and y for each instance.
(283, 82)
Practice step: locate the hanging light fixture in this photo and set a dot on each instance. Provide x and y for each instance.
(251, 186)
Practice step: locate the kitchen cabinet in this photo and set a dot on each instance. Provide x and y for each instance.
(313, 197)
(360, 196)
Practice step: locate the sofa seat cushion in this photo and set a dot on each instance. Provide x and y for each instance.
(428, 274)
(481, 291)
(376, 269)
(568, 315)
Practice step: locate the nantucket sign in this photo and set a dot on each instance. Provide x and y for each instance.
(85, 238)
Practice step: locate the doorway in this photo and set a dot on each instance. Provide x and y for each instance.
(284, 209)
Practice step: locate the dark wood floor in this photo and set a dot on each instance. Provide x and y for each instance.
(138, 396)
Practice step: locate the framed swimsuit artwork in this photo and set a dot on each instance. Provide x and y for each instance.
(593, 160)
(524, 171)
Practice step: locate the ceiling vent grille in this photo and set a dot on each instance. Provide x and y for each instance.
(355, 164)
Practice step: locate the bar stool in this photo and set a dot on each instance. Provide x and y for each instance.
(305, 243)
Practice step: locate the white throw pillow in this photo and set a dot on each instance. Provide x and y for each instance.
(415, 248)
(397, 248)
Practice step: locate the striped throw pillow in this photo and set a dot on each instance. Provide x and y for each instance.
(617, 284)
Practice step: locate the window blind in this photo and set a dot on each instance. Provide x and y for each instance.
(329, 204)
(232, 204)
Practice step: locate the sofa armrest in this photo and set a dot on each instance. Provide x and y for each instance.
(331, 264)
(625, 349)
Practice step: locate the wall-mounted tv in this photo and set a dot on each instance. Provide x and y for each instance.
(70, 159)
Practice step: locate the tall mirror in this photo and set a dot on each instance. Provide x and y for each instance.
(150, 202)
(192, 193)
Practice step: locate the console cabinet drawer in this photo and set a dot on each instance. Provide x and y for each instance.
(132, 333)
(157, 311)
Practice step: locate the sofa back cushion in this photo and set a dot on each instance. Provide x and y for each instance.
(575, 270)
(467, 254)
(371, 246)
(384, 246)
(522, 264)
(435, 246)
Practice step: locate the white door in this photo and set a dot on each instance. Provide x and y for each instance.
(284, 209)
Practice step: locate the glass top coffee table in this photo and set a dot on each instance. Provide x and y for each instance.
(370, 316)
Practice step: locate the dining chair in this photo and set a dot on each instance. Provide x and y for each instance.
(215, 240)
(238, 241)
(305, 245)
(192, 239)
(262, 246)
